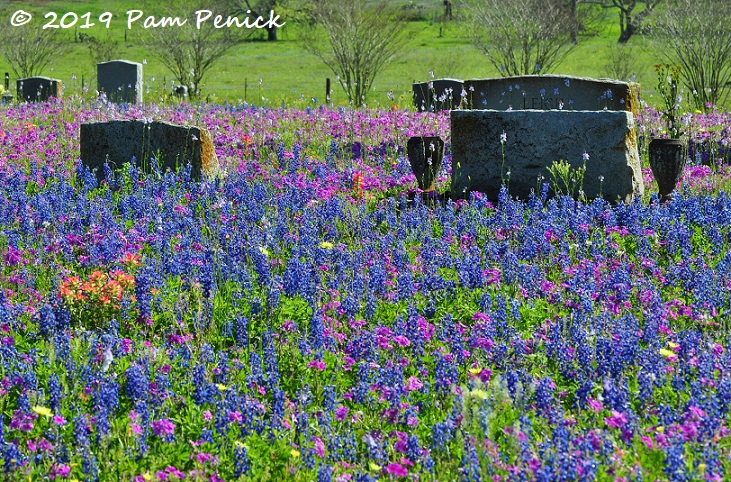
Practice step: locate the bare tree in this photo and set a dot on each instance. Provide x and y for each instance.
(582, 17)
(696, 35)
(622, 63)
(29, 49)
(630, 18)
(520, 37)
(260, 8)
(101, 50)
(361, 38)
(188, 51)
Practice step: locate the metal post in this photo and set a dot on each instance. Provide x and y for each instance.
(327, 90)
(7, 81)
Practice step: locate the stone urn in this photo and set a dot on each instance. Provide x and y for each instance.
(425, 156)
(667, 161)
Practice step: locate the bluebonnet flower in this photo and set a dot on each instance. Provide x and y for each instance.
(81, 431)
(241, 461)
(242, 331)
(138, 384)
(46, 321)
(203, 390)
(675, 462)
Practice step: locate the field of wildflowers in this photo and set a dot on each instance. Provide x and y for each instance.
(300, 319)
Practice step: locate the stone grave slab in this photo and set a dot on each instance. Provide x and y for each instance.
(439, 94)
(117, 142)
(38, 89)
(537, 138)
(120, 80)
(546, 92)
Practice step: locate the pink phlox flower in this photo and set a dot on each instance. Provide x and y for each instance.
(59, 470)
(413, 384)
(402, 340)
(396, 469)
(341, 413)
(617, 420)
(163, 427)
(319, 446)
(648, 442)
(595, 405)
(317, 365)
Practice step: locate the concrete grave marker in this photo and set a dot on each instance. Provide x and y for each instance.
(439, 94)
(536, 139)
(120, 80)
(117, 142)
(545, 92)
(181, 91)
(38, 89)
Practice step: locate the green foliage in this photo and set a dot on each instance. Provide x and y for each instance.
(433, 45)
(567, 181)
(668, 77)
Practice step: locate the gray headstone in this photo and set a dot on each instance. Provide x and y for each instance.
(117, 142)
(120, 80)
(439, 94)
(545, 92)
(535, 139)
(39, 89)
(181, 91)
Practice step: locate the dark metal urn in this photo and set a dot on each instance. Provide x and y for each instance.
(425, 156)
(667, 161)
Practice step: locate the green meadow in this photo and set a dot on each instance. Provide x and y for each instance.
(270, 73)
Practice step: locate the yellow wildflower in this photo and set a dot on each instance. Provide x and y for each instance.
(44, 411)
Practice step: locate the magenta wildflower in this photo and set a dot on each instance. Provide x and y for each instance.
(163, 428)
(172, 471)
(22, 421)
(402, 340)
(341, 413)
(59, 470)
(204, 458)
(647, 441)
(396, 469)
(317, 365)
(413, 384)
(595, 405)
(616, 420)
(319, 446)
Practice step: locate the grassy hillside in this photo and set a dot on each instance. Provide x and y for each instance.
(289, 73)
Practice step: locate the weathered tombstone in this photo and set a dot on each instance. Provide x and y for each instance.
(7, 96)
(536, 139)
(171, 146)
(38, 89)
(425, 156)
(120, 80)
(438, 94)
(545, 92)
(181, 91)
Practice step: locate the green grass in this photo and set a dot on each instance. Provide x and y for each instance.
(290, 74)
